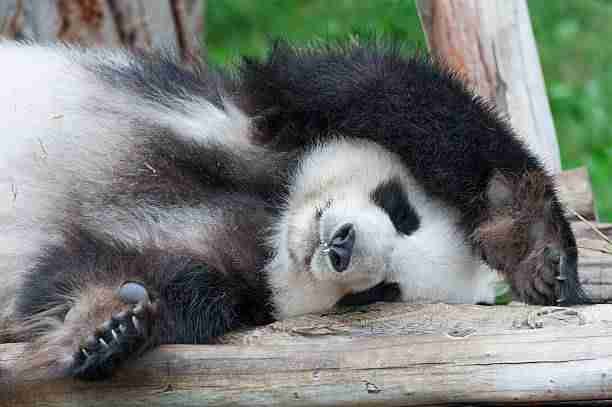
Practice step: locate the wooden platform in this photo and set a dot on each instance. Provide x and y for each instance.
(392, 355)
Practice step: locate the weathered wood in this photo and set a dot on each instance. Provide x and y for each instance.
(196, 12)
(491, 44)
(394, 355)
(133, 23)
(576, 192)
(595, 267)
(583, 230)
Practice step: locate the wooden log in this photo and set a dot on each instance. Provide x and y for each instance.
(576, 193)
(583, 230)
(491, 44)
(595, 268)
(132, 23)
(393, 355)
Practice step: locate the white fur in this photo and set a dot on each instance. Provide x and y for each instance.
(435, 263)
(62, 128)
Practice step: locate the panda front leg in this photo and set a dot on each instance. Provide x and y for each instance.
(527, 237)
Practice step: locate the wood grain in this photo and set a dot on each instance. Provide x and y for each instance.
(393, 355)
(575, 191)
(595, 268)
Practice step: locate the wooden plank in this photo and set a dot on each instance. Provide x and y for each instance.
(396, 354)
(584, 230)
(491, 44)
(595, 266)
(11, 16)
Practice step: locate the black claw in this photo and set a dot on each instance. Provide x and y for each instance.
(115, 340)
(139, 309)
(136, 324)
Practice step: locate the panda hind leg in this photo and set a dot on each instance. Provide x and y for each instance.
(526, 236)
(127, 332)
(105, 324)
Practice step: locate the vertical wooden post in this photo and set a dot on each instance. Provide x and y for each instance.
(132, 23)
(491, 43)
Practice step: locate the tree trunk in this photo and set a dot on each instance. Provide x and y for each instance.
(490, 43)
(137, 24)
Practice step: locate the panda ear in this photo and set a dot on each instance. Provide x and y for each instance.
(499, 191)
(260, 129)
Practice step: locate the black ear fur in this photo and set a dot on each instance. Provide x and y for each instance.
(499, 191)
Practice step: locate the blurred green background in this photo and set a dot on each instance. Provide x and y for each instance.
(574, 40)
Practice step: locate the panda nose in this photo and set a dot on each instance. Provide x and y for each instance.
(341, 247)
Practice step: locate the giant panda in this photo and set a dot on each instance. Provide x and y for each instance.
(145, 203)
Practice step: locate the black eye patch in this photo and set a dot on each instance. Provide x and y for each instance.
(390, 196)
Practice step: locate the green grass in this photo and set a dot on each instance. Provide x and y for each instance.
(573, 39)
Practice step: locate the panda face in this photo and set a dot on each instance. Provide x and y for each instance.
(337, 231)
(355, 217)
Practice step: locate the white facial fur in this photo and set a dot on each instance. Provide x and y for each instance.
(433, 263)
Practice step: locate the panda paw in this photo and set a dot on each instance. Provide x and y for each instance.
(124, 335)
(541, 279)
(550, 277)
(526, 236)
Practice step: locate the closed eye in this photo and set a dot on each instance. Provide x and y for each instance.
(321, 209)
(391, 197)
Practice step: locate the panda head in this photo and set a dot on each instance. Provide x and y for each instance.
(340, 221)
(355, 217)
(387, 183)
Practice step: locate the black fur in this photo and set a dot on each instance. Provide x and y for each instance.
(168, 170)
(391, 197)
(386, 292)
(204, 304)
(61, 271)
(161, 78)
(452, 141)
(198, 303)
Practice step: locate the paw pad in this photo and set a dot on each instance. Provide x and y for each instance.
(133, 293)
